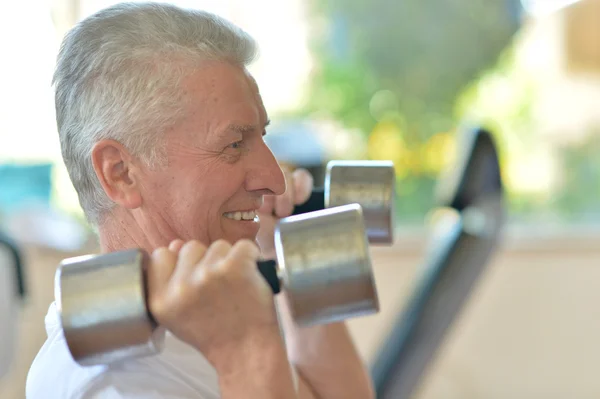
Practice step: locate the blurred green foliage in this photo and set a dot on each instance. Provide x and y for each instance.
(403, 64)
(579, 197)
(504, 98)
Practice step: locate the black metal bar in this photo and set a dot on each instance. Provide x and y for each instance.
(268, 269)
(445, 284)
(18, 263)
(316, 202)
(448, 276)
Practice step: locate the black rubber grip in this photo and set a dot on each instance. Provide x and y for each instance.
(268, 268)
(316, 202)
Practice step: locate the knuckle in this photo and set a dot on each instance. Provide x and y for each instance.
(248, 248)
(218, 274)
(221, 243)
(175, 242)
(158, 307)
(245, 245)
(194, 245)
(210, 279)
(160, 252)
(162, 257)
(178, 295)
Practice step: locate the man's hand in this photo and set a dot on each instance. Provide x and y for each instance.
(299, 185)
(216, 300)
(324, 357)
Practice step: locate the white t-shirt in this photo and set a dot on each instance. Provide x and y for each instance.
(178, 372)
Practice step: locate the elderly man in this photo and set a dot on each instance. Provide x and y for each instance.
(161, 128)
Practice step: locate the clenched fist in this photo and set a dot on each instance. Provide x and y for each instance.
(216, 300)
(213, 298)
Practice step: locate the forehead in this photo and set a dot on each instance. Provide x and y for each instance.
(221, 85)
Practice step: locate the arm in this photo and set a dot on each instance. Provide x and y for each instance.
(324, 357)
(261, 369)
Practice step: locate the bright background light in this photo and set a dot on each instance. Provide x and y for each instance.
(30, 44)
(544, 7)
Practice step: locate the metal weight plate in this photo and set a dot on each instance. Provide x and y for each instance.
(371, 181)
(325, 265)
(102, 306)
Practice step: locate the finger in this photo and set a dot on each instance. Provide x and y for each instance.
(242, 260)
(161, 265)
(284, 203)
(176, 245)
(189, 256)
(216, 253)
(244, 250)
(303, 186)
(268, 205)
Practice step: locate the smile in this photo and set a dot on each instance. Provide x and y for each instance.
(239, 215)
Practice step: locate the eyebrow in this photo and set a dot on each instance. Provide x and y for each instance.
(244, 128)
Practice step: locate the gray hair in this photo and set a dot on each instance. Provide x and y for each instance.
(118, 76)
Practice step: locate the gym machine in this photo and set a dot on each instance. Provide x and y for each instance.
(459, 252)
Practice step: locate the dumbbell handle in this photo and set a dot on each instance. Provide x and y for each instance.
(268, 269)
(315, 202)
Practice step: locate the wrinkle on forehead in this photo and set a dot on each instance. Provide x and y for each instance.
(217, 80)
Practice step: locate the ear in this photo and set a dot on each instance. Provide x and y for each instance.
(115, 169)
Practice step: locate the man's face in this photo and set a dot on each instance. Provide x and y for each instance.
(219, 166)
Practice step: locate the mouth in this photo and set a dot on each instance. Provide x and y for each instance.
(245, 216)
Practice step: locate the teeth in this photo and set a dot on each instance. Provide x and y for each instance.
(250, 215)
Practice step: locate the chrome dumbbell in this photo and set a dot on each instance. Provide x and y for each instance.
(371, 184)
(322, 262)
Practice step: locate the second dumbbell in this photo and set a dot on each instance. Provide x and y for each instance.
(371, 184)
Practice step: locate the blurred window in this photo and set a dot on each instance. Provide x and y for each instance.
(373, 79)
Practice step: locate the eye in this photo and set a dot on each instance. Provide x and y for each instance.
(236, 145)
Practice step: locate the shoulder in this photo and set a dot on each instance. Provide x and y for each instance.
(178, 372)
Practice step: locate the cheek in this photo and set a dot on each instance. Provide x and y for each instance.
(197, 196)
(207, 198)
(225, 182)
(177, 194)
(158, 190)
(191, 213)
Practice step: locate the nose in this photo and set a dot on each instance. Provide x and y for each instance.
(265, 175)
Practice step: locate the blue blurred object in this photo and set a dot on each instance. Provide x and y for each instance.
(296, 143)
(26, 212)
(22, 185)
